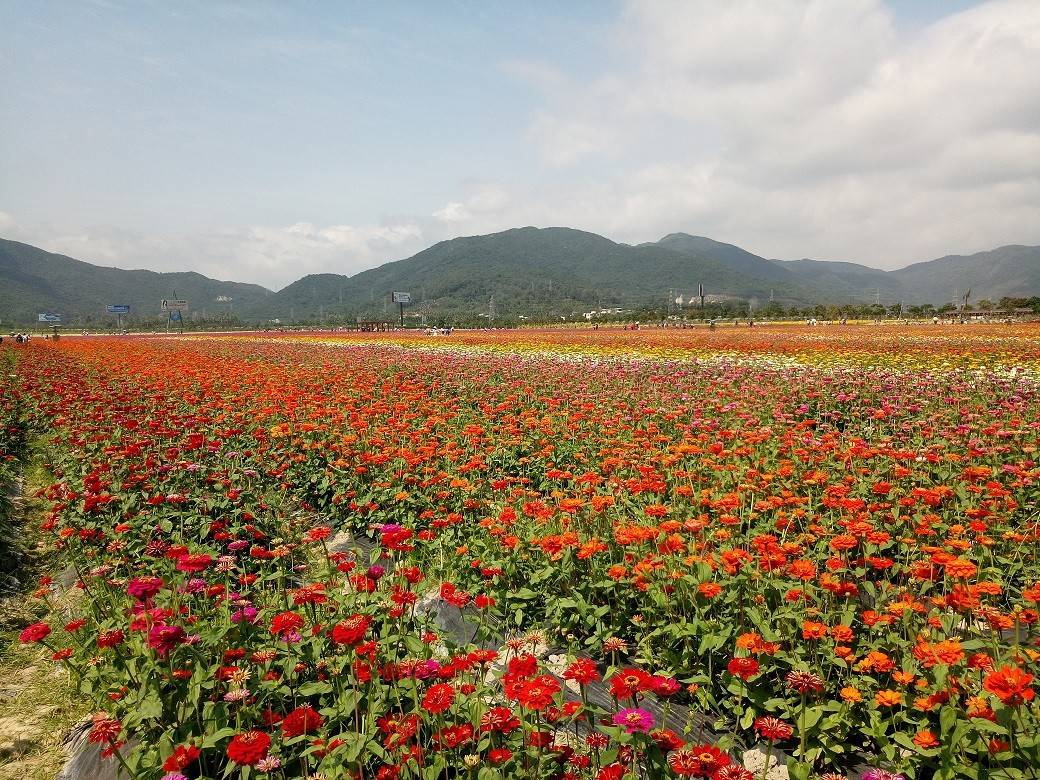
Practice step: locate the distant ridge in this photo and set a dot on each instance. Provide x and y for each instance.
(536, 272)
(33, 281)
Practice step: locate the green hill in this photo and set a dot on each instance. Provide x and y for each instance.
(728, 255)
(538, 273)
(1007, 271)
(842, 283)
(33, 281)
(530, 271)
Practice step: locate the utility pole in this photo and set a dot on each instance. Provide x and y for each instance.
(491, 310)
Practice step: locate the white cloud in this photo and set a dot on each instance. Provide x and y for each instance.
(453, 212)
(791, 127)
(271, 256)
(805, 128)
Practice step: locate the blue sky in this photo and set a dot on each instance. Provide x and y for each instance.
(261, 141)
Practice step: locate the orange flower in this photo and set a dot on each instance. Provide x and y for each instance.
(947, 652)
(811, 630)
(978, 707)
(851, 695)
(888, 698)
(709, 589)
(903, 678)
(960, 568)
(802, 569)
(1011, 685)
(842, 634)
(925, 739)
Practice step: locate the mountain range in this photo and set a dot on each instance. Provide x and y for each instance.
(538, 272)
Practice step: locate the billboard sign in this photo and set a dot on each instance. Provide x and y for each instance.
(117, 308)
(172, 304)
(49, 317)
(402, 297)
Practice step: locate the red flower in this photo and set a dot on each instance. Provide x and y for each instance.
(1011, 685)
(104, 730)
(804, 682)
(537, 694)
(500, 719)
(745, 668)
(697, 761)
(286, 622)
(773, 729)
(164, 639)
(498, 756)
(352, 630)
(194, 563)
(249, 747)
(34, 633)
(143, 588)
(629, 682)
(182, 756)
(611, 772)
(302, 720)
(737, 772)
(438, 698)
(110, 638)
(583, 671)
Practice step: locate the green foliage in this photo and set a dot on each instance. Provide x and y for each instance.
(34, 281)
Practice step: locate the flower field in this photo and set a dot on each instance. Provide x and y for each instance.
(669, 546)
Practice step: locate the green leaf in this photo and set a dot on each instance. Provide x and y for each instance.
(315, 688)
(987, 726)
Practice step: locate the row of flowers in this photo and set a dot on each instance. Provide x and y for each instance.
(838, 564)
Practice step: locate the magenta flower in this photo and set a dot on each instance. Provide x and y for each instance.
(163, 639)
(635, 720)
(144, 588)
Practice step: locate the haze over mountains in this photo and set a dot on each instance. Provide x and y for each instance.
(532, 271)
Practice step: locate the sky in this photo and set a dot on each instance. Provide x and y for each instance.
(263, 141)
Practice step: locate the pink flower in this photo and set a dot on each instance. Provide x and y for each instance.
(144, 588)
(635, 720)
(163, 639)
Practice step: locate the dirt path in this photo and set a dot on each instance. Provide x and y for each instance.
(38, 703)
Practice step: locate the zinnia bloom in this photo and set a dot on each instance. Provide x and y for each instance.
(352, 630)
(583, 671)
(249, 747)
(537, 694)
(925, 739)
(697, 761)
(745, 668)
(143, 588)
(37, 632)
(286, 623)
(438, 698)
(634, 720)
(182, 756)
(194, 563)
(804, 682)
(1011, 685)
(773, 729)
(888, 698)
(733, 772)
(110, 638)
(302, 720)
(164, 639)
(104, 729)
